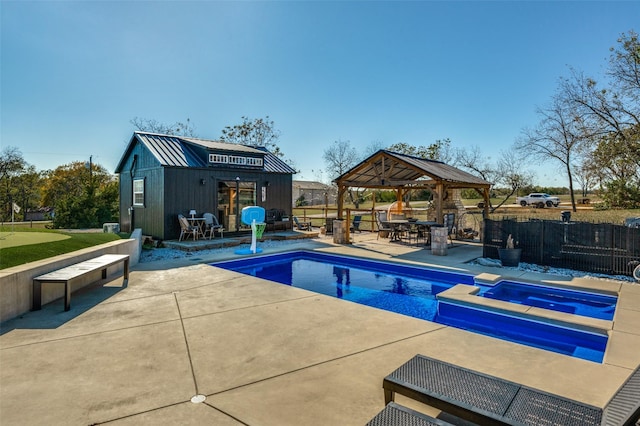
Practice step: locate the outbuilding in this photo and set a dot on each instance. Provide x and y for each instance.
(162, 176)
(387, 170)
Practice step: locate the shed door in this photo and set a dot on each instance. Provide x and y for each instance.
(233, 196)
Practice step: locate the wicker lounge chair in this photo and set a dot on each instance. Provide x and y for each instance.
(485, 399)
(397, 415)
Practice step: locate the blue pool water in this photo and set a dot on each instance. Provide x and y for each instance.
(411, 291)
(563, 300)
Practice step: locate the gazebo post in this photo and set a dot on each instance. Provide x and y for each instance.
(440, 194)
(341, 190)
(485, 194)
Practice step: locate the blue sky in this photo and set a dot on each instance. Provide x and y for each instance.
(74, 73)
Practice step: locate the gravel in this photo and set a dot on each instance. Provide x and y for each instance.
(168, 254)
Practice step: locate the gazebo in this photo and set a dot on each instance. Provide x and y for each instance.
(391, 170)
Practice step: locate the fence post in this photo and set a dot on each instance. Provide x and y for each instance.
(541, 258)
(612, 260)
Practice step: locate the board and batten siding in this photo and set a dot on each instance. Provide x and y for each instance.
(144, 217)
(279, 192)
(184, 190)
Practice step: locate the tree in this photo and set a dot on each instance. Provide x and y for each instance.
(558, 136)
(474, 161)
(339, 158)
(611, 113)
(373, 147)
(584, 175)
(440, 150)
(616, 163)
(12, 165)
(26, 189)
(512, 174)
(153, 126)
(81, 198)
(254, 132)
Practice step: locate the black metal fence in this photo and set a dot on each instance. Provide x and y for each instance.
(593, 247)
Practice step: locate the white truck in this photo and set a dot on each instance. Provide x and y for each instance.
(538, 199)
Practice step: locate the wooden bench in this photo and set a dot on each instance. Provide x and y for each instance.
(489, 400)
(73, 272)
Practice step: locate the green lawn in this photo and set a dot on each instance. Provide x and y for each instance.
(23, 245)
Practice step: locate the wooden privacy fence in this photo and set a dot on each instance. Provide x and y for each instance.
(592, 247)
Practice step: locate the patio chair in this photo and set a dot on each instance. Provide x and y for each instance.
(302, 226)
(355, 226)
(187, 229)
(413, 234)
(212, 225)
(383, 228)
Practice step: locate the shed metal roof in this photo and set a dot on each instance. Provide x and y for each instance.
(180, 151)
(170, 150)
(274, 164)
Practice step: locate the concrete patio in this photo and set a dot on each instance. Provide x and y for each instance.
(263, 353)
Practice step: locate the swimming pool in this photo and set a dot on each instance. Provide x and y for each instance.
(412, 291)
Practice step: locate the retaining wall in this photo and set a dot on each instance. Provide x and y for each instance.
(16, 283)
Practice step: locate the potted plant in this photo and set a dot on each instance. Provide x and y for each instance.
(510, 256)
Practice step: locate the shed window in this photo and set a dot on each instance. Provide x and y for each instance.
(233, 159)
(218, 158)
(251, 161)
(138, 192)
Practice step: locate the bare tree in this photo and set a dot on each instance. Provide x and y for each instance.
(511, 173)
(254, 132)
(612, 115)
(373, 147)
(339, 158)
(154, 126)
(585, 175)
(559, 135)
(474, 161)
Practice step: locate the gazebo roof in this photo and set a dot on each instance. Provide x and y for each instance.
(386, 169)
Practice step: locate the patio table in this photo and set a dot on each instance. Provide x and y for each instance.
(200, 223)
(398, 226)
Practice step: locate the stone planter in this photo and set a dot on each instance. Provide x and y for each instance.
(510, 257)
